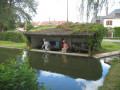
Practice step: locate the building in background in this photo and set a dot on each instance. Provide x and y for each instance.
(110, 20)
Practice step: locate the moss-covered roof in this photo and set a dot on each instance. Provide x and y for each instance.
(73, 29)
(57, 32)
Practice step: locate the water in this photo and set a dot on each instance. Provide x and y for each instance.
(62, 72)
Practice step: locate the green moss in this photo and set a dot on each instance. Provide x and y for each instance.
(41, 27)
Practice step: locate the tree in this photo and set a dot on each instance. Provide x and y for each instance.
(29, 26)
(95, 6)
(15, 10)
(20, 24)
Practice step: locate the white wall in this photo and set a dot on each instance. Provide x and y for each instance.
(115, 22)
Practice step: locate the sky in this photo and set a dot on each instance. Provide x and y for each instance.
(57, 10)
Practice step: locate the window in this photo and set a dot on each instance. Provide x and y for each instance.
(117, 14)
(108, 22)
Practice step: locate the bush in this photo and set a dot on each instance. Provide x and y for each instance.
(14, 36)
(98, 37)
(17, 75)
(117, 31)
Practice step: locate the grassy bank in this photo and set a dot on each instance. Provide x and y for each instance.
(112, 80)
(13, 44)
(110, 46)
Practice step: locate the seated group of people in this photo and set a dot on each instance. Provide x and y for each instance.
(46, 46)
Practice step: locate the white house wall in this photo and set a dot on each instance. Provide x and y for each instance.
(115, 23)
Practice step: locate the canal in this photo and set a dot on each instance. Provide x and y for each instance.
(62, 72)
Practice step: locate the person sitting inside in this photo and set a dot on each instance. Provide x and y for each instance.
(65, 46)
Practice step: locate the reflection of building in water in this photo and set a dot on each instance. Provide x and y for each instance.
(64, 59)
(45, 57)
(77, 67)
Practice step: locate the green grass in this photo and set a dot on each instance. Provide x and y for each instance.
(13, 44)
(112, 80)
(110, 46)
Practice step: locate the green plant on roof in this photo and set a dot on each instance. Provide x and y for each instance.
(41, 27)
(76, 28)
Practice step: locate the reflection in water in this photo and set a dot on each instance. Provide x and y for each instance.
(24, 55)
(46, 74)
(45, 58)
(64, 72)
(82, 83)
(7, 54)
(74, 67)
(89, 85)
(68, 72)
(64, 60)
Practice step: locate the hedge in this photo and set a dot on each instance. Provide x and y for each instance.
(14, 36)
(117, 32)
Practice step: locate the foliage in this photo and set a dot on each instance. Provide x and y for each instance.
(15, 10)
(14, 36)
(29, 26)
(11, 25)
(65, 27)
(20, 24)
(97, 39)
(77, 28)
(17, 74)
(41, 27)
(117, 31)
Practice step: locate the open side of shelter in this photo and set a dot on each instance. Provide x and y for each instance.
(55, 36)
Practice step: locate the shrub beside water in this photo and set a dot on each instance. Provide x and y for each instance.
(13, 36)
(17, 75)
